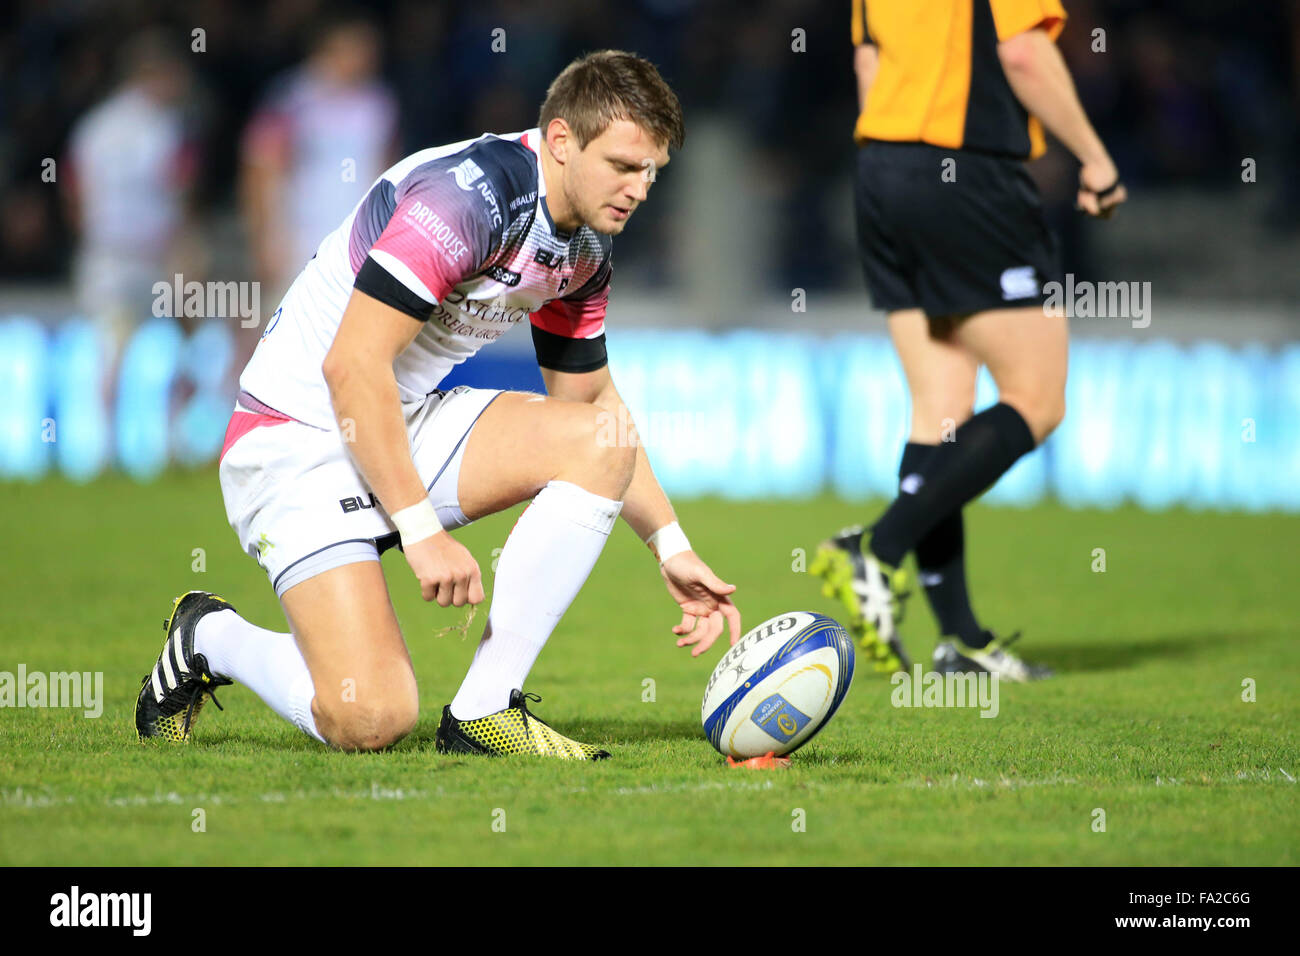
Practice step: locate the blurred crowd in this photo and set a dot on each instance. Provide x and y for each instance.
(162, 118)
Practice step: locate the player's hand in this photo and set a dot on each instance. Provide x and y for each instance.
(447, 572)
(1100, 190)
(705, 602)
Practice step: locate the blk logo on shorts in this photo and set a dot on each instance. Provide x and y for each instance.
(359, 502)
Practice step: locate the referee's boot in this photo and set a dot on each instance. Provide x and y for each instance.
(871, 591)
(951, 656)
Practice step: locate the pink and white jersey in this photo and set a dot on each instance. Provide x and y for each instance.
(461, 238)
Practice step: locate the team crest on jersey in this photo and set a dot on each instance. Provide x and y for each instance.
(466, 173)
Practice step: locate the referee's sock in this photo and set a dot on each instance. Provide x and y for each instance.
(956, 472)
(941, 559)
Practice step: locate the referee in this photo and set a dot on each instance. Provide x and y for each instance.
(953, 98)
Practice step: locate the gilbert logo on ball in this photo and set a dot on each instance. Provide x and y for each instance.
(778, 686)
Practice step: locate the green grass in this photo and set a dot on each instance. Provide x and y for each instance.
(1145, 721)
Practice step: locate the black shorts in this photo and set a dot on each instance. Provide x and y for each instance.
(945, 245)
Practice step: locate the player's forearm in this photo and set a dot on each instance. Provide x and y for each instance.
(1041, 82)
(646, 508)
(369, 414)
(865, 62)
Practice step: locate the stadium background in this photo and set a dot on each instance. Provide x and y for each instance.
(738, 289)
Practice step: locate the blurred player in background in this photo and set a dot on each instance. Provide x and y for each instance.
(132, 166)
(342, 444)
(953, 97)
(324, 132)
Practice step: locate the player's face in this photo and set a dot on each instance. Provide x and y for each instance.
(611, 177)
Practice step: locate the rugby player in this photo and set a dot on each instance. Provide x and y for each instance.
(342, 445)
(953, 95)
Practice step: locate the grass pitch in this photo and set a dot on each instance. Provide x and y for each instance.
(1145, 721)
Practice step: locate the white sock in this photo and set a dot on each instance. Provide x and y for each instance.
(544, 564)
(267, 662)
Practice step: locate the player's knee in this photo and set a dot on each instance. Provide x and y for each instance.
(375, 728)
(617, 460)
(601, 450)
(1043, 408)
(371, 725)
(1054, 414)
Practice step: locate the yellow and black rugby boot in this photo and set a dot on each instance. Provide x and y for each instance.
(173, 693)
(872, 592)
(515, 730)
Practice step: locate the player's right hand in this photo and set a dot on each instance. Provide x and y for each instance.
(1100, 191)
(447, 572)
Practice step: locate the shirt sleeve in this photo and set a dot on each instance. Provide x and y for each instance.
(1013, 17)
(858, 23)
(441, 231)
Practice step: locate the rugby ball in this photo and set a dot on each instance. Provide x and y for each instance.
(780, 684)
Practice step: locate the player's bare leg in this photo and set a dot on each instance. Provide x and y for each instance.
(940, 374)
(1027, 352)
(343, 621)
(522, 441)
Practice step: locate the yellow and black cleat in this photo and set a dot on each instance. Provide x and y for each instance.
(515, 730)
(173, 693)
(872, 593)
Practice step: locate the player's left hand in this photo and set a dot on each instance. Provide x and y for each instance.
(705, 601)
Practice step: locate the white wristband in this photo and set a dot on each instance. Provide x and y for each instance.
(668, 541)
(417, 522)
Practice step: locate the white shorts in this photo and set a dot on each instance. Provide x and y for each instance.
(298, 503)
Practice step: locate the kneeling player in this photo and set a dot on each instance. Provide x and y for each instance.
(342, 445)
